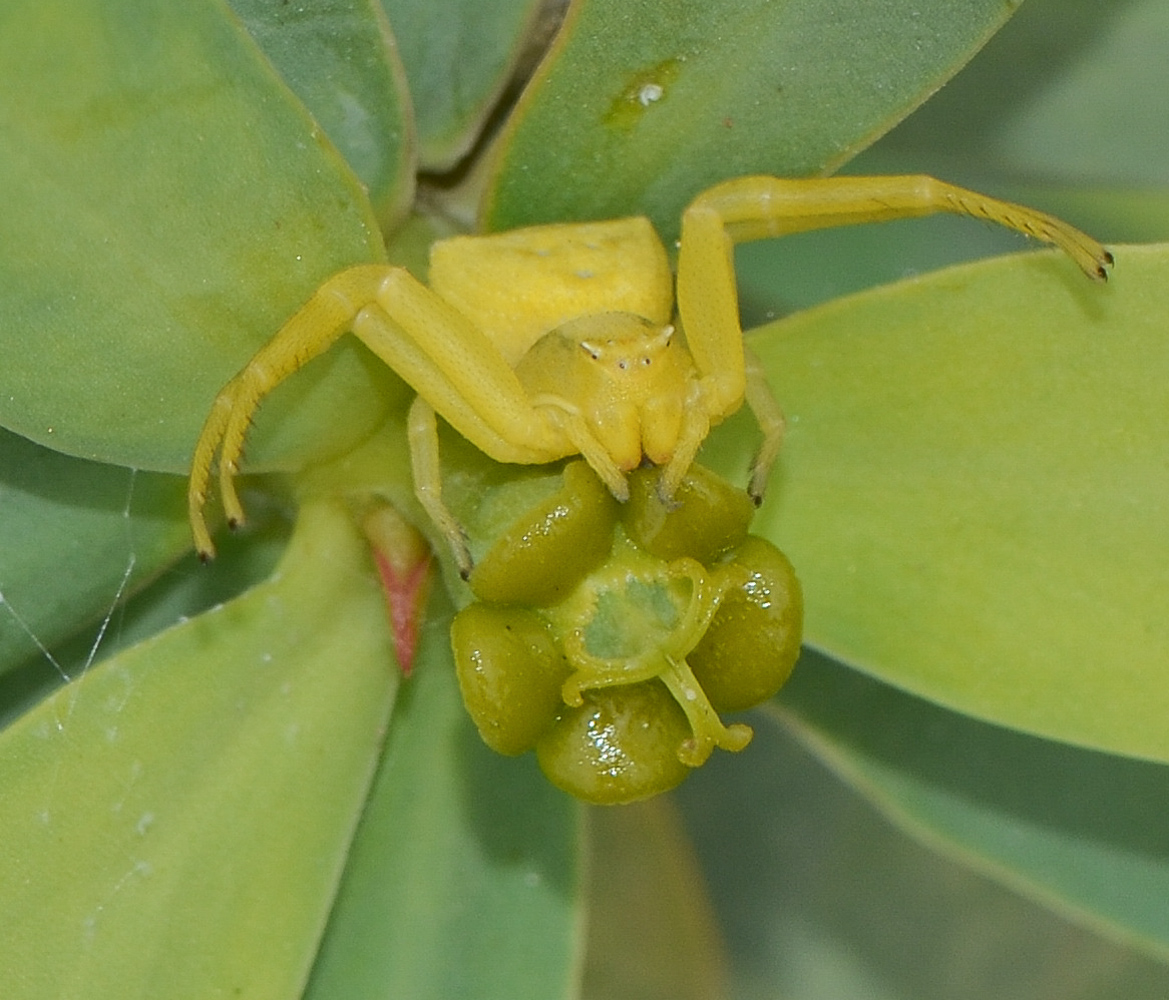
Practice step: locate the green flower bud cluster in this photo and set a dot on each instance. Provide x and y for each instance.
(608, 637)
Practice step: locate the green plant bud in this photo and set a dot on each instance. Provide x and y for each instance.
(510, 673)
(620, 745)
(548, 550)
(708, 517)
(753, 640)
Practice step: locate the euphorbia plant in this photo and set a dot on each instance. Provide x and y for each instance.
(235, 791)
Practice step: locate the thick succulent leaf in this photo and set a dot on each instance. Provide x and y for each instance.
(1081, 830)
(975, 490)
(189, 587)
(1071, 93)
(175, 821)
(169, 203)
(821, 897)
(76, 538)
(464, 878)
(652, 934)
(636, 109)
(458, 56)
(185, 588)
(339, 58)
(131, 587)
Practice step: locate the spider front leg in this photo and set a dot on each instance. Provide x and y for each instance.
(312, 331)
(752, 208)
(422, 432)
(708, 308)
(444, 357)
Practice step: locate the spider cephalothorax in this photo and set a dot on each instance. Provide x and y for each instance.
(629, 380)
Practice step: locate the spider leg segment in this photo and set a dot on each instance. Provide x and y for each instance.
(441, 354)
(422, 431)
(451, 363)
(694, 428)
(312, 331)
(752, 208)
(572, 424)
(762, 403)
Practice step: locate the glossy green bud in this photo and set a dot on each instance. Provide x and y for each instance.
(547, 552)
(753, 640)
(510, 673)
(620, 745)
(708, 516)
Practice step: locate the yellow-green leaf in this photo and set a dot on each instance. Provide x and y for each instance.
(168, 205)
(175, 821)
(975, 490)
(1082, 831)
(652, 934)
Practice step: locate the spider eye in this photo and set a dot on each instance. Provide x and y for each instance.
(662, 339)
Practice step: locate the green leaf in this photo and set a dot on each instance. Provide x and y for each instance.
(57, 625)
(1070, 93)
(464, 877)
(637, 108)
(1081, 831)
(175, 821)
(458, 56)
(76, 537)
(169, 205)
(652, 934)
(184, 589)
(339, 58)
(974, 491)
(822, 898)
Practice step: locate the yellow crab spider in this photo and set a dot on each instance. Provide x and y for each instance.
(575, 338)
